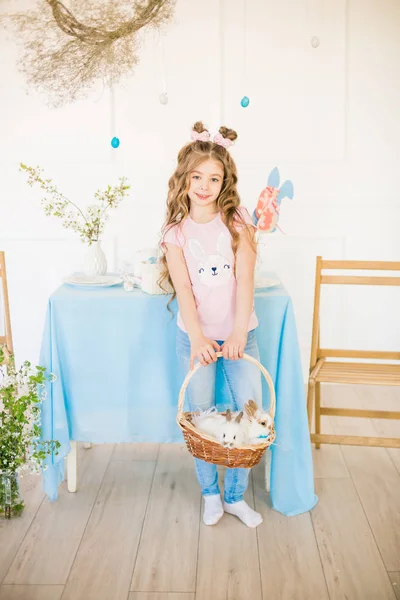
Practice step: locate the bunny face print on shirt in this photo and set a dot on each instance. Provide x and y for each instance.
(213, 270)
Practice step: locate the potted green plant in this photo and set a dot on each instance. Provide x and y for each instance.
(89, 224)
(22, 392)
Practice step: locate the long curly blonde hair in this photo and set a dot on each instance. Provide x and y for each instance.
(178, 202)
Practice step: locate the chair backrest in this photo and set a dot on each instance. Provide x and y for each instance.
(322, 279)
(7, 338)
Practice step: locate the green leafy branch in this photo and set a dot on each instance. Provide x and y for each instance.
(88, 225)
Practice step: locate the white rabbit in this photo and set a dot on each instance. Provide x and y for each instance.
(233, 430)
(209, 422)
(226, 430)
(213, 269)
(232, 434)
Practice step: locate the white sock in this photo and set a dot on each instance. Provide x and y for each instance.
(241, 509)
(213, 509)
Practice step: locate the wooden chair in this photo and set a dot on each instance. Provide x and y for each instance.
(336, 371)
(5, 340)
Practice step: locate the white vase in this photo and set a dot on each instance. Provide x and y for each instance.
(95, 260)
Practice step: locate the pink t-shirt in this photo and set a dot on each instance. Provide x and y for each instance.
(210, 261)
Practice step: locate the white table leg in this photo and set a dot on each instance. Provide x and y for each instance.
(87, 445)
(268, 470)
(72, 468)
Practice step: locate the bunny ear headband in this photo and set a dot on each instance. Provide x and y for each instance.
(204, 136)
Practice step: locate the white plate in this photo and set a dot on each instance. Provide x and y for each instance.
(266, 282)
(96, 281)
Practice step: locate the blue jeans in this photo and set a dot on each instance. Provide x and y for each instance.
(243, 381)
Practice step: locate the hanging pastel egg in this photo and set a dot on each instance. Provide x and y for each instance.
(115, 142)
(245, 101)
(163, 98)
(314, 41)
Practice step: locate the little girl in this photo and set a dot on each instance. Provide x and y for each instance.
(209, 259)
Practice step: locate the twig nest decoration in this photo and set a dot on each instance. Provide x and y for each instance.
(67, 49)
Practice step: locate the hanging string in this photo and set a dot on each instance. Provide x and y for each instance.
(221, 61)
(163, 81)
(114, 139)
(244, 65)
(245, 101)
(112, 108)
(312, 23)
(163, 97)
(102, 91)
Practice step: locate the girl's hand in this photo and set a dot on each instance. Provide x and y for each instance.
(204, 349)
(234, 346)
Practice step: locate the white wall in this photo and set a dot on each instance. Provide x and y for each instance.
(328, 117)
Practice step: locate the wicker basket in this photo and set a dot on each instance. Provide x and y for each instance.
(210, 450)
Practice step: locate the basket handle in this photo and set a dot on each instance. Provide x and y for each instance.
(263, 370)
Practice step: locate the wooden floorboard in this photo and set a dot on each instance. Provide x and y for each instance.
(167, 555)
(228, 564)
(133, 530)
(289, 558)
(375, 477)
(49, 548)
(103, 564)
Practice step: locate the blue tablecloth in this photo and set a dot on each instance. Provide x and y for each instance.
(113, 353)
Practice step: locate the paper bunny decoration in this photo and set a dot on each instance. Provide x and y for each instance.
(266, 214)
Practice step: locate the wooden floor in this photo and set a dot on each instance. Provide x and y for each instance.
(133, 531)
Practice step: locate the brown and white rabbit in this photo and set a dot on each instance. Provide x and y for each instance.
(257, 425)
